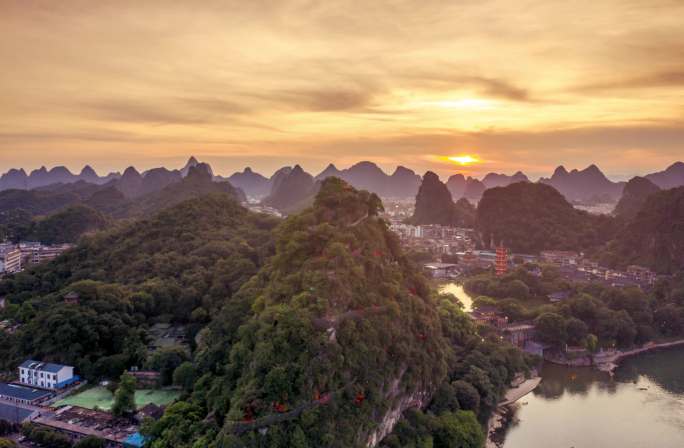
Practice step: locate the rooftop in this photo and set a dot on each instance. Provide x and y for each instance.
(13, 414)
(43, 366)
(22, 392)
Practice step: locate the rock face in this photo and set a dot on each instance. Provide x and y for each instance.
(253, 184)
(434, 205)
(672, 177)
(637, 190)
(292, 191)
(474, 189)
(654, 237)
(589, 184)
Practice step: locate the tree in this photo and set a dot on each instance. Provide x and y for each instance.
(591, 342)
(166, 360)
(184, 376)
(576, 330)
(7, 443)
(124, 398)
(550, 328)
(91, 442)
(468, 397)
(459, 430)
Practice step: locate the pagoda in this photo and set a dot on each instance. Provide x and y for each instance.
(501, 260)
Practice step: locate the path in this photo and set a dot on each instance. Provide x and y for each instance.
(516, 393)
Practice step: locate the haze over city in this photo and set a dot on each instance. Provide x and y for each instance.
(472, 87)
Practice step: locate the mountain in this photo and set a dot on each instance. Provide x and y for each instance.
(403, 183)
(434, 205)
(344, 337)
(634, 195)
(180, 265)
(42, 177)
(192, 162)
(330, 171)
(654, 237)
(89, 175)
(531, 217)
(65, 226)
(456, 185)
(158, 178)
(130, 183)
(672, 177)
(492, 180)
(253, 184)
(197, 183)
(585, 185)
(14, 179)
(292, 190)
(474, 189)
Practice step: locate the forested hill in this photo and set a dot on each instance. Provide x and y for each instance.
(531, 217)
(81, 207)
(434, 205)
(179, 265)
(336, 339)
(654, 237)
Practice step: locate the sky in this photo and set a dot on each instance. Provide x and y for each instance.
(514, 84)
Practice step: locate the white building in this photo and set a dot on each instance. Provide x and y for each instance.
(45, 374)
(10, 259)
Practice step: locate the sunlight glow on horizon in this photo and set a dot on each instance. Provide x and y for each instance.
(464, 160)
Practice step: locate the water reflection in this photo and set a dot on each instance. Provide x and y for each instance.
(642, 406)
(458, 291)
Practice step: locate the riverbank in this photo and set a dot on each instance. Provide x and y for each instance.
(504, 412)
(609, 361)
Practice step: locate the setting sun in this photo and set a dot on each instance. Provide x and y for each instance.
(464, 160)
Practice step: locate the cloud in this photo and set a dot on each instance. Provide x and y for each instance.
(653, 80)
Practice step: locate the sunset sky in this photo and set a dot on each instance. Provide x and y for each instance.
(513, 84)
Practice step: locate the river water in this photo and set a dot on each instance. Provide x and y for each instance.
(642, 407)
(458, 291)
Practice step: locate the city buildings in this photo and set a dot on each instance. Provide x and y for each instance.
(46, 375)
(10, 259)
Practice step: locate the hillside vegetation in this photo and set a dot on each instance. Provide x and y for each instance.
(531, 217)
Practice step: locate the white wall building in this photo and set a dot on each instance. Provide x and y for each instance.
(10, 259)
(45, 374)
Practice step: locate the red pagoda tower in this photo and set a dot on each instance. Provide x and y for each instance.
(501, 260)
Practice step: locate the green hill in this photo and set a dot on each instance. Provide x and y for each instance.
(529, 218)
(336, 339)
(180, 265)
(654, 237)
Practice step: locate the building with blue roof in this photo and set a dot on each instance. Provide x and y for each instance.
(23, 394)
(46, 375)
(14, 414)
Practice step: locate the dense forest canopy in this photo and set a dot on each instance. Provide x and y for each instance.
(318, 331)
(531, 217)
(63, 213)
(180, 265)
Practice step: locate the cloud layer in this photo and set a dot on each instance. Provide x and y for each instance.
(524, 85)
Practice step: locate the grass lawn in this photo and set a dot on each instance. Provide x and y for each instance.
(103, 399)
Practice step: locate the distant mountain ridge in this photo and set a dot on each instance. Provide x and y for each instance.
(584, 185)
(402, 183)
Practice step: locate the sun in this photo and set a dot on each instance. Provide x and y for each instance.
(464, 159)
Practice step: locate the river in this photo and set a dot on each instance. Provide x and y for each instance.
(458, 291)
(643, 406)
